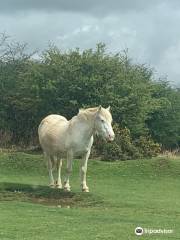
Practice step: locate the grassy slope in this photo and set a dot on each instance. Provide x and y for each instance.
(123, 195)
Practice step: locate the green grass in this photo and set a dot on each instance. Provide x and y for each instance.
(123, 195)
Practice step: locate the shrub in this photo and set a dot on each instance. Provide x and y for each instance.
(5, 138)
(121, 148)
(124, 148)
(147, 147)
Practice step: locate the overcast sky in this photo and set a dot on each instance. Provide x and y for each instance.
(150, 29)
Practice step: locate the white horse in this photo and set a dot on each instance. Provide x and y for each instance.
(59, 137)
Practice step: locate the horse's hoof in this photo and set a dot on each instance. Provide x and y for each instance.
(59, 186)
(66, 189)
(51, 185)
(85, 189)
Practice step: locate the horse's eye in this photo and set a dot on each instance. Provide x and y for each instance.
(102, 120)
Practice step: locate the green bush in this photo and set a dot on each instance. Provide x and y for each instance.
(121, 148)
(147, 147)
(124, 148)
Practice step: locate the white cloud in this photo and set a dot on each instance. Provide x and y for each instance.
(171, 61)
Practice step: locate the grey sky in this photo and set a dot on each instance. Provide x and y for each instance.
(149, 29)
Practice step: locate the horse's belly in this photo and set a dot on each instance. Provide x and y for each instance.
(53, 140)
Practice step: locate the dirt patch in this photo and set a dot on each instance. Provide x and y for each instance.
(47, 196)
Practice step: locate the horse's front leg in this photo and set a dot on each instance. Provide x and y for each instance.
(68, 171)
(83, 170)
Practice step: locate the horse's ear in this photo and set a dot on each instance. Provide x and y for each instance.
(108, 108)
(99, 108)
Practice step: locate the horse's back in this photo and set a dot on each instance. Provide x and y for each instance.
(52, 132)
(53, 118)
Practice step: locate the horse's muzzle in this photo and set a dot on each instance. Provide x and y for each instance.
(111, 138)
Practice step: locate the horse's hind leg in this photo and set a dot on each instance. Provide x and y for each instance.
(50, 170)
(59, 165)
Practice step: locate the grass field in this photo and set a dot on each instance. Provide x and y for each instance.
(123, 195)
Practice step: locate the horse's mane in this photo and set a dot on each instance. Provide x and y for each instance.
(88, 112)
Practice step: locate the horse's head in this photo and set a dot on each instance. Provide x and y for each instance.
(103, 123)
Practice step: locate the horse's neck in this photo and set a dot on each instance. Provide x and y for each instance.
(86, 127)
